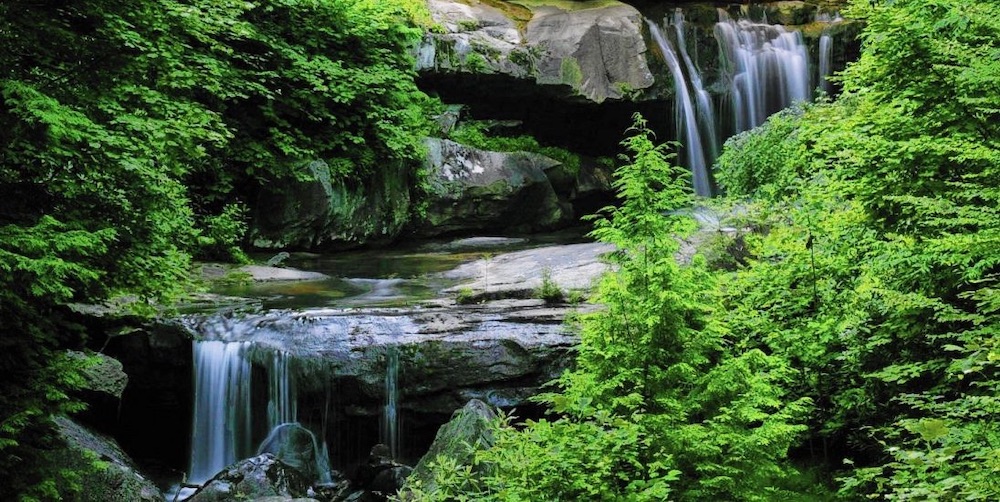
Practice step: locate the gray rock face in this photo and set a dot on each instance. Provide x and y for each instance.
(253, 478)
(325, 213)
(519, 274)
(469, 430)
(120, 481)
(594, 48)
(476, 189)
(101, 374)
(500, 353)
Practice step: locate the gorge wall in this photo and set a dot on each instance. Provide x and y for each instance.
(571, 75)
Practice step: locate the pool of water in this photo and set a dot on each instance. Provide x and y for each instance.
(401, 276)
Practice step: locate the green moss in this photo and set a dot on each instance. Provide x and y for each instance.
(570, 72)
(477, 134)
(476, 62)
(568, 5)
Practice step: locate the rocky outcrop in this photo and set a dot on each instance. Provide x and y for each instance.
(519, 274)
(592, 49)
(472, 189)
(253, 478)
(116, 479)
(321, 212)
(469, 430)
(498, 352)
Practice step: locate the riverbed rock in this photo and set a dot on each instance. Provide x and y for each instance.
(263, 273)
(521, 273)
(593, 49)
(469, 430)
(472, 189)
(118, 481)
(447, 355)
(252, 478)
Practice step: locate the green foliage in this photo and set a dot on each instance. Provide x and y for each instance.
(466, 296)
(134, 134)
(479, 134)
(549, 290)
(660, 405)
(877, 278)
(761, 161)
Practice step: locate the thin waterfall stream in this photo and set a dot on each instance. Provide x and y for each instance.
(390, 412)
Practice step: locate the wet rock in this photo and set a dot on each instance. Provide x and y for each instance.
(446, 355)
(262, 273)
(252, 478)
(118, 481)
(382, 476)
(472, 189)
(469, 430)
(297, 447)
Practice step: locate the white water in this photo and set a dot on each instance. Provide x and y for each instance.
(686, 118)
(825, 64)
(223, 417)
(221, 409)
(281, 402)
(389, 431)
(702, 99)
(767, 68)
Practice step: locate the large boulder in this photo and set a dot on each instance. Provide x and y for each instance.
(116, 478)
(594, 49)
(253, 478)
(469, 430)
(323, 212)
(472, 189)
(297, 447)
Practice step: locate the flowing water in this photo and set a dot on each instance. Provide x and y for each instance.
(767, 68)
(686, 117)
(224, 418)
(221, 431)
(389, 432)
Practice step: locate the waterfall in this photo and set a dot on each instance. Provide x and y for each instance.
(281, 403)
(825, 52)
(223, 414)
(221, 429)
(767, 67)
(703, 101)
(686, 117)
(389, 431)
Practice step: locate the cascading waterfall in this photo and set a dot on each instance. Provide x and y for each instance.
(686, 117)
(767, 68)
(826, 51)
(390, 412)
(222, 415)
(223, 418)
(702, 100)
